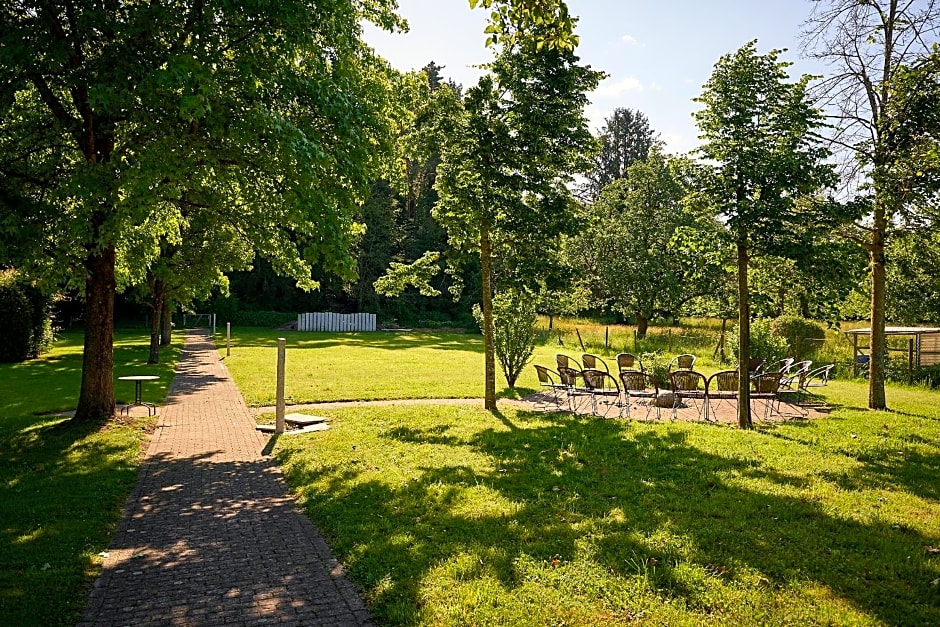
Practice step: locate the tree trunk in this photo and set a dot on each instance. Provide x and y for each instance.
(486, 263)
(642, 325)
(158, 296)
(166, 323)
(804, 306)
(96, 399)
(876, 365)
(744, 336)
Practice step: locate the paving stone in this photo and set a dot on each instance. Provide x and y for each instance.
(210, 534)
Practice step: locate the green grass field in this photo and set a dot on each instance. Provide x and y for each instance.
(450, 515)
(64, 484)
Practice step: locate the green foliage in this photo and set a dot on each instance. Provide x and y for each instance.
(628, 247)
(656, 364)
(626, 138)
(798, 332)
(514, 331)
(912, 281)
(764, 342)
(17, 325)
(268, 319)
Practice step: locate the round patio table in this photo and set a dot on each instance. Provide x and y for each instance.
(138, 380)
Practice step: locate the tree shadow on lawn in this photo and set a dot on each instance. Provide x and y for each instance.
(566, 481)
(63, 492)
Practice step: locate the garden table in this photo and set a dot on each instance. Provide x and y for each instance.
(138, 380)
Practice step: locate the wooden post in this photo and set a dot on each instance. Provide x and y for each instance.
(634, 341)
(228, 339)
(606, 338)
(281, 358)
(670, 340)
(855, 355)
(580, 341)
(910, 361)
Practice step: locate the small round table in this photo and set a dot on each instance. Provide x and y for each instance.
(138, 380)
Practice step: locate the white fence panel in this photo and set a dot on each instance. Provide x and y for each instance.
(336, 323)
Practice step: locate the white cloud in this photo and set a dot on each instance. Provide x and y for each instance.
(607, 89)
(630, 39)
(654, 86)
(677, 143)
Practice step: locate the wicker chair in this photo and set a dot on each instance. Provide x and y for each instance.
(722, 385)
(637, 385)
(575, 385)
(629, 361)
(682, 362)
(688, 384)
(765, 387)
(594, 362)
(603, 389)
(550, 379)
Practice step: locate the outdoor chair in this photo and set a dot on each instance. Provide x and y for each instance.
(794, 385)
(722, 385)
(819, 377)
(794, 374)
(574, 385)
(754, 365)
(629, 361)
(594, 362)
(637, 385)
(862, 364)
(682, 362)
(765, 387)
(688, 384)
(564, 361)
(604, 389)
(550, 379)
(781, 366)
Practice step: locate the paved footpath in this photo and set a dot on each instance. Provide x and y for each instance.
(210, 535)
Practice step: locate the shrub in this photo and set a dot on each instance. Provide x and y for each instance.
(796, 330)
(17, 323)
(657, 366)
(764, 342)
(514, 331)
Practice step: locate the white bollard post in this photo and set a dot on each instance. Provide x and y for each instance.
(228, 339)
(213, 325)
(281, 358)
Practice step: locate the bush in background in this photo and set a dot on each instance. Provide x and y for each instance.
(802, 335)
(25, 311)
(764, 342)
(514, 331)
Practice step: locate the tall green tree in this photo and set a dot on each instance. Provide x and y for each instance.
(758, 129)
(502, 180)
(870, 45)
(627, 246)
(625, 139)
(111, 115)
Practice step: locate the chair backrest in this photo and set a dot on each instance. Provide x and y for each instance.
(564, 361)
(685, 361)
(569, 376)
(600, 380)
(820, 374)
(593, 361)
(723, 381)
(687, 381)
(795, 368)
(754, 364)
(784, 364)
(767, 383)
(636, 381)
(629, 361)
(545, 375)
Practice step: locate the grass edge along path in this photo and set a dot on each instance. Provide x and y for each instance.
(65, 484)
(453, 515)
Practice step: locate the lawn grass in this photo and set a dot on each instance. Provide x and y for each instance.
(64, 484)
(456, 516)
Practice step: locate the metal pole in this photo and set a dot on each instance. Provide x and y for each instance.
(213, 324)
(228, 339)
(855, 355)
(910, 361)
(281, 358)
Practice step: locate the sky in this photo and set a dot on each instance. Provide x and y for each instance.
(657, 53)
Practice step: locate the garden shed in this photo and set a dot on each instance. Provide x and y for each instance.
(923, 345)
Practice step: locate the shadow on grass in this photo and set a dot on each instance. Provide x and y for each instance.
(64, 484)
(569, 478)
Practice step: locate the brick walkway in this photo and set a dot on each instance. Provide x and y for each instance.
(210, 535)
